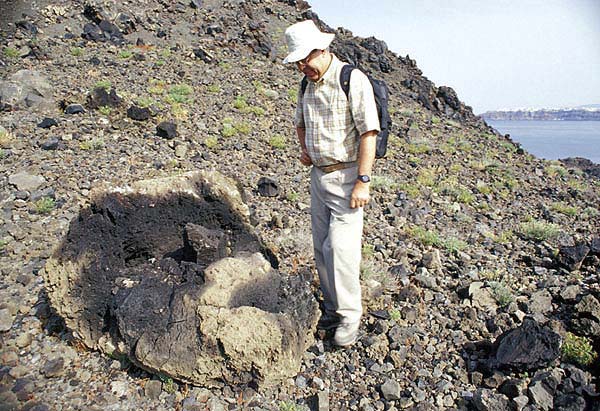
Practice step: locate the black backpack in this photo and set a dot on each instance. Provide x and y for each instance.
(381, 93)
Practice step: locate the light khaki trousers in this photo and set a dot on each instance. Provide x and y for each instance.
(337, 234)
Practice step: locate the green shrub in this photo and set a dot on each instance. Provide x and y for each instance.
(44, 205)
(228, 130)
(76, 51)
(454, 245)
(564, 208)
(395, 315)
(292, 196)
(425, 237)
(104, 110)
(277, 141)
(293, 95)
(502, 294)
(383, 182)
(427, 177)
(240, 103)
(105, 84)
(3, 244)
(214, 88)
(539, 230)
(243, 127)
(125, 54)
(93, 144)
(578, 350)
(211, 142)
(168, 384)
(11, 52)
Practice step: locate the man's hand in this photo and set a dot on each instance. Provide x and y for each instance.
(360, 195)
(305, 158)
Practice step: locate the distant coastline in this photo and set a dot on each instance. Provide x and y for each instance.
(581, 113)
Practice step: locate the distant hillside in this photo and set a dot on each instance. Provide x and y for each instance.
(591, 112)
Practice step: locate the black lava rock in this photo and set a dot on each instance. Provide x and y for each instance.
(526, 348)
(92, 32)
(51, 144)
(166, 130)
(74, 109)
(47, 123)
(268, 187)
(572, 257)
(100, 97)
(138, 113)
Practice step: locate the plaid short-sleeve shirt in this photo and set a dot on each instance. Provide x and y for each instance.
(332, 121)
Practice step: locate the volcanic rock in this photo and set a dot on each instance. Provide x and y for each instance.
(572, 257)
(26, 89)
(100, 97)
(527, 347)
(132, 273)
(166, 130)
(268, 187)
(138, 113)
(47, 123)
(25, 181)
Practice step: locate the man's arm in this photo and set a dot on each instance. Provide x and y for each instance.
(366, 158)
(304, 157)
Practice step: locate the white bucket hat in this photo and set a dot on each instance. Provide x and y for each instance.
(304, 37)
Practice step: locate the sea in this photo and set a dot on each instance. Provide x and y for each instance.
(553, 140)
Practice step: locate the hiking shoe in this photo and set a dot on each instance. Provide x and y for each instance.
(328, 322)
(346, 334)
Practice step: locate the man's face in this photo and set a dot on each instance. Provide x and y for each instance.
(314, 65)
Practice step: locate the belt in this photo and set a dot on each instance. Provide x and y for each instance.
(337, 166)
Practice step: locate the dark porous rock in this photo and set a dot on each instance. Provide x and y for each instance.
(135, 272)
(47, 123)
(203, 55)
(511, 388)
(527, 347)
(125, 23)
(54, 368)
(487, 400)
(540, 395)
(589, 306)
(138, 113)
(595, 246)
(571, 258)
(196, 4)
(111, 31)
(92, 32)
(51, 144)
(74, 109)
(268, 187)
(167, 130)
(569, 402)
(100, 97)
(206, 245)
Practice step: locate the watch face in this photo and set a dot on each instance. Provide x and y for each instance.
(364, 179)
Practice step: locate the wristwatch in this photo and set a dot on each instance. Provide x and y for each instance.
(363, 178)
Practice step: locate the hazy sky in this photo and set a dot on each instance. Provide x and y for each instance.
(495, 54)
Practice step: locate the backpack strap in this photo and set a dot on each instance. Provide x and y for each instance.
(345, 78)
(303, 84)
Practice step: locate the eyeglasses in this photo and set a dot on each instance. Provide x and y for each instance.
(307, 59)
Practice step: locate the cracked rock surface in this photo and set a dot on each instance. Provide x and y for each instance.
(170, 273)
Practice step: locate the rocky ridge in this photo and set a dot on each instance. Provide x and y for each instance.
(473, 248)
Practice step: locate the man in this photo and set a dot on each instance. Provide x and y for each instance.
(337, 137)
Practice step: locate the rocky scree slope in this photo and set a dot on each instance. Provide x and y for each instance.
(466, 235)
